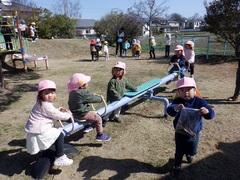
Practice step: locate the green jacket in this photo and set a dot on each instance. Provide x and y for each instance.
(79, 102)
(116, 89)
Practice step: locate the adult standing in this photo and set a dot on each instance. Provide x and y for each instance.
(167, 44)
(119, 40)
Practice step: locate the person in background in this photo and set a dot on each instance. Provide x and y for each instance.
(23, 28)
(79, 101)
(98, 47)
(187, 145)
(190, 56)
(134, 41)
(93, 49)
(41, 132)
(167, 44)
(152, 48)
(106, 50)
(119, 41)
(32, 29)
(126, 46)
(138, 49)
(7, 35)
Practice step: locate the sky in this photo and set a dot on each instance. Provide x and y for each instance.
(95, 9)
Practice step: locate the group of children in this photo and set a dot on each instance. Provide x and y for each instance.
(41, 132)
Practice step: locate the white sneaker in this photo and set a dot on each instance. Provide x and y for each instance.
(63, 161)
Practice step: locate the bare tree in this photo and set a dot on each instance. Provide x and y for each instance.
(147, 11)
(69, 8)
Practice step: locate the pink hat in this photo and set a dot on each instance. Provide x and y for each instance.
(46, 84)
(178, 48)
(186, 82)
(120, 65)
(93, 41)
(77, 80)
(190, 43)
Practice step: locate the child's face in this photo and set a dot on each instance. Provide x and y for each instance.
(118, 71)
(49, 95)
(178, 52)
(187, 93)
(187, 46)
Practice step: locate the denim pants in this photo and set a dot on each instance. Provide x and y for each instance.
(176, 69)
(185, 145)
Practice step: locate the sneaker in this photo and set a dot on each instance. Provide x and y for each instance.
(176, 170)
(88, 129)
(63, 161)
(103, 137)
(189, 158)
(116, 119)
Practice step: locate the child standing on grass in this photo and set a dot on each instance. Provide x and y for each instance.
(116, 89)
(106, 50)
(190, 56)
(138, 49)
(152, 48)
(79, 103)
(187, 145)
(92, 49)
(126, 46)
(41, 133)
(167, 45)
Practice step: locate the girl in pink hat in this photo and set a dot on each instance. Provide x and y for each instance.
(79, 103)
(116, 89)
(188, 111)
(190, 56)
(41, 133)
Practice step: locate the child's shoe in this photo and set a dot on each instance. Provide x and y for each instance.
(88, 129)
(176, 171)
(189, 158)
(63, 161)
(103, 137)
(116, 119)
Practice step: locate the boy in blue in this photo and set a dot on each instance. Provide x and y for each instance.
(187, 145)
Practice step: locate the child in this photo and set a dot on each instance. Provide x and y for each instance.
(126, 45)
(138, 49)
(105, 50)
(116, 89)
(98, 47)
(33, 31)
(23, 28)
(7, 35)
(134, 41)
(79, 103)
(92, 49)
(167, 44)
(190, 56)
(178, 60)
(152, 48)
(186, 145)
(41, 133)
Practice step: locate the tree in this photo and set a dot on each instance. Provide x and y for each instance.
(222, 19)
(69, 8)
(109, 24)
(147, 11)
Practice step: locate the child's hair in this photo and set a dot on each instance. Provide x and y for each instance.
(43, 85)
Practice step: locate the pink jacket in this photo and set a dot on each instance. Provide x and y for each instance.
(41, 118)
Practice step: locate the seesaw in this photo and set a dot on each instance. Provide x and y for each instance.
(145, 90)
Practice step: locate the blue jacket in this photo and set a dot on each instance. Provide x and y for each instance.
(195, 103)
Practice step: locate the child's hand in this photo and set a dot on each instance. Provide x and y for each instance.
(62, 109)
(203, 110)
(179, 107)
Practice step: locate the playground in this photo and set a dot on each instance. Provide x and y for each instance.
(142, 147)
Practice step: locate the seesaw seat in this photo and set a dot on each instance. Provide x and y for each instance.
(143, 87)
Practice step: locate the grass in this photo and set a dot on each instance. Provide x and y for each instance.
(143, 146)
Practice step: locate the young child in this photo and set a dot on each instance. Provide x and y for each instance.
(167, 44)
(185, 145)
(98, 46)
(79, 103)
(116, 89)
(92, 49)
(152, 48)
(7, 35)
(134, 41)
(138, 49)
(105, 50)
(126, 45)
(178, 60)
(41, 133)
(190, 56)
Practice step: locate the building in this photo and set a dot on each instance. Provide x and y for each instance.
(85, 27)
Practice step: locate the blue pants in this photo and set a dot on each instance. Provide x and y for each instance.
(176, 69)
(185, 145)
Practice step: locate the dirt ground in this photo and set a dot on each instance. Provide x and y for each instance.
(142, 147)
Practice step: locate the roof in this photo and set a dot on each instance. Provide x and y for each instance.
(15, 6)
(86, 23)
